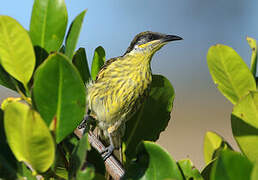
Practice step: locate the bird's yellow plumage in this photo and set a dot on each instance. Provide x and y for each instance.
(123, 83)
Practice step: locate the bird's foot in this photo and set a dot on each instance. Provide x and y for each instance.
(107, 152)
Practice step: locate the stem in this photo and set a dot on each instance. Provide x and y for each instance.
(113, 167)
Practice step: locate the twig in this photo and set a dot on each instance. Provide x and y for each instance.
(113, 167)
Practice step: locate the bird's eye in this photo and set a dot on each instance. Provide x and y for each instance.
(150, 38)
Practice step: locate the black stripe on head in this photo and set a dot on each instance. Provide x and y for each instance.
(143, 38)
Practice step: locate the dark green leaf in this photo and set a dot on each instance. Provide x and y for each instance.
(252, 44)
(8, 163)
(48, 24)
(81, 63)
(231, 166)
(86, 174)
(188, 170)
(230, 72)
(5, 79)
(28, 136)
(78, 157)
(213, 144)
(41, 55)
(73, 34)
(16, 51)
(98, 61)
(244, 122)
(59, 94)
(153, 162)
(153, 118)
(207, 170)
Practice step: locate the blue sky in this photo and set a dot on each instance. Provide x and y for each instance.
(198, 105)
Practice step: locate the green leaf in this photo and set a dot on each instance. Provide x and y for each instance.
(254, 175)
(153, 162)
(48, 24)
(244, 122)
(207, 170)
(230, 72)
(213, 144)
(231, 166)
(28, 136)
(81, 63)
(16, 51)
(8, 163)
(252, 44)
(41, 55)
(188, 170)
(86, 174)
(73, 34)
(78, 157)
(59, 94)
(153, 117)
(25, 173)
(98, 61)
(5, 79)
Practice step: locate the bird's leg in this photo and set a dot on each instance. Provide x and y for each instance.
(108, 150)
(86, 122)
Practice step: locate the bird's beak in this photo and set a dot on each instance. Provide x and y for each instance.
(168, 38)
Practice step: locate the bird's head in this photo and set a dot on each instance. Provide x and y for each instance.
(149, 42)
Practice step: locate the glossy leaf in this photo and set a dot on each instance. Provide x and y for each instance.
(81, 63)
(231, 166)
(230, 72)
(16, 51)
(28, 136)
(98, 61)
(252, 44)
(213, 144)
(48, 24)
(59, 94)
(254, 174)
(244, 122)
(189, 171)
(78, 157)
(153, 162)
(73, 34)
(153, 118)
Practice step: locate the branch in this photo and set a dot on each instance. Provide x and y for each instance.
(113, 167)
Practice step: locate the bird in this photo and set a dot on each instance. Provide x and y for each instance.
(122, 85)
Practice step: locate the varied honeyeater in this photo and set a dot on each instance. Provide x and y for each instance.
(122, 85)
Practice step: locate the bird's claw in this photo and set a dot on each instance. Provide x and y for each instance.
(107, 152)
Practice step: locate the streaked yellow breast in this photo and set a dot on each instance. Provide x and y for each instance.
(120, 89)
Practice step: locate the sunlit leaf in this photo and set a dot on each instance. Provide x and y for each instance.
(252, 44)
(59, 94)
(48, 24)
(98, 61)
(230, 72)
(189, 171)
(73, 34)
(153, 162)
(231, 166)
(213, 144)
(16, 51)
(244, 122)
(28, 136)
